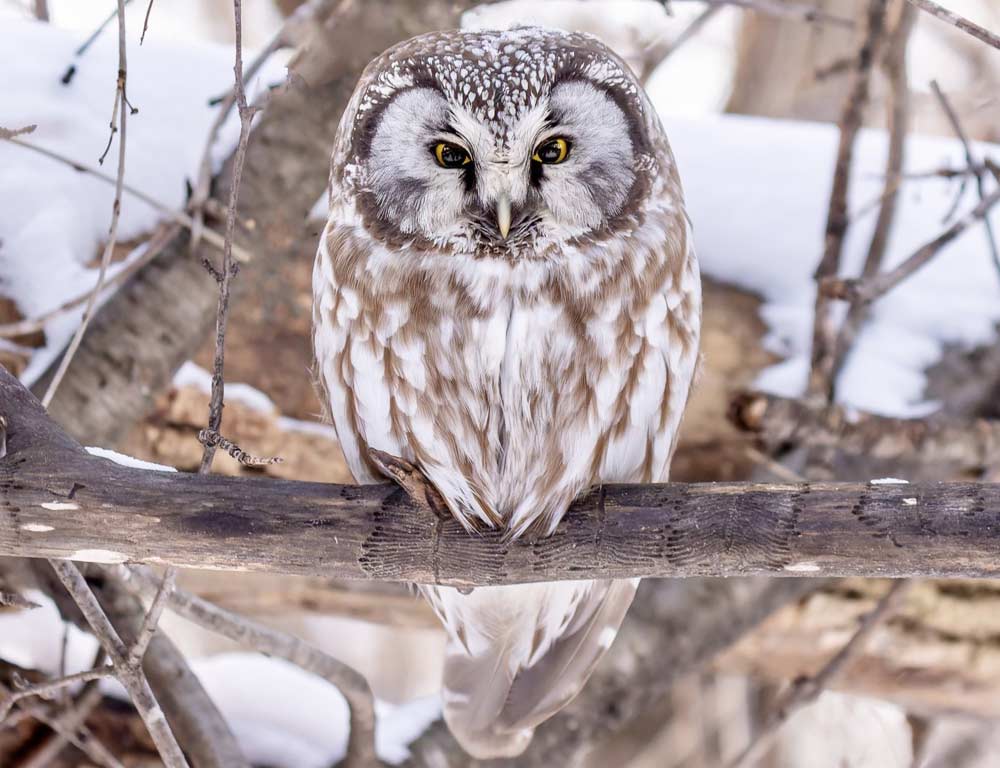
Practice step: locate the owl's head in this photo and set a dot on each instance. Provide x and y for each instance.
(497, 142)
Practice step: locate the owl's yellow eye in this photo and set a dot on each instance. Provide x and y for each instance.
(551, 151)
(450, 155)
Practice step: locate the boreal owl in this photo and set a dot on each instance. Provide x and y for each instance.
(506, 297)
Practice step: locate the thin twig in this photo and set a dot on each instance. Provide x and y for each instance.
(353, 686)
(805, 690)
(824, 328)
(145, 23)
(228, 270)
(42, 10)
(68, 724)
(657, 57)
(894, 66)
(970, 161)
(78, 735)
(46, 688)
(115, 213)
(203, 188)
(210, 437)
(870, 290)
(960, 22)
(210, 235)
(11, 133)
(152, 618)
(131, 677)
(71, 69)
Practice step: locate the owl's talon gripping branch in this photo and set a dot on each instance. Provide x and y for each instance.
(412, 480)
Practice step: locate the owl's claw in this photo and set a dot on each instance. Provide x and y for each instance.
(412, 480)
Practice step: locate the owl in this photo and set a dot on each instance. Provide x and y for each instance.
(506, 297)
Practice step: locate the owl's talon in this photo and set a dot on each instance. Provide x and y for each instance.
(411, 479)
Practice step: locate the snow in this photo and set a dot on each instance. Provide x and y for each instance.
(757, 192)
(283, 716)
(54, 219)
(128, 461)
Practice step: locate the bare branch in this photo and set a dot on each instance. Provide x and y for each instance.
(960, 22)
(209, 437)
(870, 290)
(955, 447)
(46, 688)
(145, 22)
(824, 329)
(228, 270)
(11, 133)
(73, 731)
(894, 66)
(131, 677)
(361, 741)
(976, 169)
(68, 727)
(109, 247)
(152, 618)
(658, 52)
(42, 10)
(291, 32)
(804, 691)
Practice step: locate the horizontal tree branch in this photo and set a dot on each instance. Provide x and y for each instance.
(57, 501)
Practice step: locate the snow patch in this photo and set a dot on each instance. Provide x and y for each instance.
(126, 461)
(802, 567)
(37, 527)
(59, 506)
(104, 556)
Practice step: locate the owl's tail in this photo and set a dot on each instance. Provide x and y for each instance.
(518, 654)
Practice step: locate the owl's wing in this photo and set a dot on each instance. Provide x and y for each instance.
(332, 313)
(519, 654)
(376, 384)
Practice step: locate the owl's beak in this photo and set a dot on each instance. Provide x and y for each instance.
(503, 214)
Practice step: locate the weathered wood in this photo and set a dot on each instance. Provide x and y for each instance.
(56, 501)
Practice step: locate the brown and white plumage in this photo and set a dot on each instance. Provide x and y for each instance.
(515, 368)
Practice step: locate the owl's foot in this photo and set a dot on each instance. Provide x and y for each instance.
(412, 480)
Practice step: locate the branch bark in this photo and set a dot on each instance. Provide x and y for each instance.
(957, 21)
(52, 495)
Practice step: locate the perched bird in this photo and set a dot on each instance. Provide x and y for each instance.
(506, 296)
